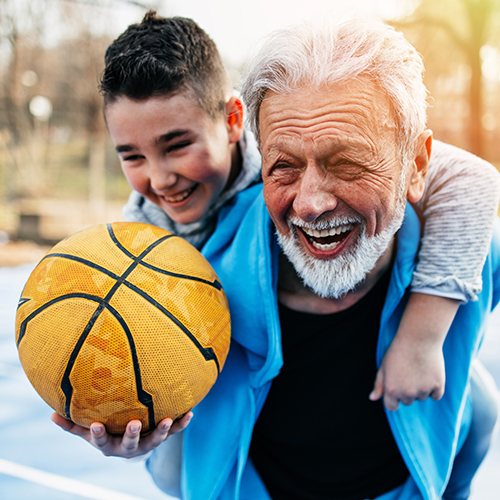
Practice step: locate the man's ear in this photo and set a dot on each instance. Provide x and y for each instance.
(420, 166)
(234, 119)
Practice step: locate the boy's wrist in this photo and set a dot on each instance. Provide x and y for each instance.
(426, 320)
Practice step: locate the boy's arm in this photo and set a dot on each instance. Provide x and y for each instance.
(459, 204)
(413, 366)
(131, 444)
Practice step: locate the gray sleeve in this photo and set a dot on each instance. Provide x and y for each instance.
(459, 204)
(165, 464)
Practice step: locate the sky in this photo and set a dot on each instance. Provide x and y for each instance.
(237, 25)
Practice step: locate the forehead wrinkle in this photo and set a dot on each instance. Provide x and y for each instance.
(332, 128)
(324, 145)
(281, 146)
(326, 116)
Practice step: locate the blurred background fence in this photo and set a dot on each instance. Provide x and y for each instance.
(58, 169)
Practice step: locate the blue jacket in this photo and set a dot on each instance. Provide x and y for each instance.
(244, 253)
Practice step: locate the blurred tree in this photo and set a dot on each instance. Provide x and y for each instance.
(469, 26)
(20, 40)
(49, 48)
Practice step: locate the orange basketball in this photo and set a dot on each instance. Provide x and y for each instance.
(123, 321)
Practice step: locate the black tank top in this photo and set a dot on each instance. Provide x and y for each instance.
(318, 436)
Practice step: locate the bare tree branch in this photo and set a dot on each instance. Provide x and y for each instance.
(96, 3)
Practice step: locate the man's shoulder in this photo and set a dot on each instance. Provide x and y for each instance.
(408, 238)
(244, 209)
(494, 254)
(241, 206)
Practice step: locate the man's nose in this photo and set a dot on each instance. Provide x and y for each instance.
(315, 195)
(160, 176)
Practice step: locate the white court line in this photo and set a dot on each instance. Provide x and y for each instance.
(61, 483)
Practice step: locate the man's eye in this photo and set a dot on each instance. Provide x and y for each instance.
(284, 173)
(280, 167)
(348, 170)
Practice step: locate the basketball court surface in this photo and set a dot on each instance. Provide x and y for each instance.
(39, 461)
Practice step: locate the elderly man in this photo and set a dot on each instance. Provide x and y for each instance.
(340, 119)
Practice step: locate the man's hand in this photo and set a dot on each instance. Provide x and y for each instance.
(131, 444)
(410, 371)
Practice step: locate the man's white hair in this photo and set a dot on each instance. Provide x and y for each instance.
(340, 51)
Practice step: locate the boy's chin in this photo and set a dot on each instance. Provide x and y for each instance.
(182, 215)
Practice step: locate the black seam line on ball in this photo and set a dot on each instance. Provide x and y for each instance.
(136, 260)
(22, 301)
(216, 284)
(207, 352)
(66, 386)
(144, 397)
(88, 263)
(112, 235)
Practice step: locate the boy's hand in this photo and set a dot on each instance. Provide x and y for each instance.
(409, 371)
(130, 444)
(413, 366)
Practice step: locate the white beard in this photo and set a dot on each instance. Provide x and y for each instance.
(335, 277)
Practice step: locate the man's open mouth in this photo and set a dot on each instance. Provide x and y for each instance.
(181, 196)
(327, 239)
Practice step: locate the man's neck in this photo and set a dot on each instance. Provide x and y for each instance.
(295, 295)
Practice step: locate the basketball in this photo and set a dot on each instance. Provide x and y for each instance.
(122, 321)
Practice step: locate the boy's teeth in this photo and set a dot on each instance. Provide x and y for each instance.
(180, 196)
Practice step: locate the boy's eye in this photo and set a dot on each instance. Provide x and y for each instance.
(178, 145)
(132, 157)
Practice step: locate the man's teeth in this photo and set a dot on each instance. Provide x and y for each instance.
(334, 231)
(327, 232)
(180, 196)
(330, 246)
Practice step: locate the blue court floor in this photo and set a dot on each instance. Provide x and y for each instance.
(39, 461)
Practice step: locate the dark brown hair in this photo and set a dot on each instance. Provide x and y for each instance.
(162, 56)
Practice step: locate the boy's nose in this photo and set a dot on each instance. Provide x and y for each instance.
(161, 179)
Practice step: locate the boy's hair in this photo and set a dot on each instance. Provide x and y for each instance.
(162, 56)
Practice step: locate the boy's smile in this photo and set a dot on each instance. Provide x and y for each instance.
(173, 153)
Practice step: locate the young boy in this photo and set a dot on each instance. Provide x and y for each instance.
(178, 130)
